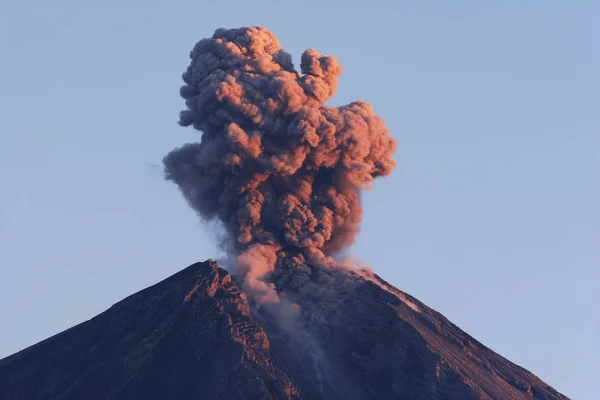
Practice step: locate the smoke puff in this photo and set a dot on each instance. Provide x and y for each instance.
(281, 170)
(255, 264)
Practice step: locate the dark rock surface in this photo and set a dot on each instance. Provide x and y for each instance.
(192, 336)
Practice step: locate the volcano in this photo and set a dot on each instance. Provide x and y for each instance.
(195, 336)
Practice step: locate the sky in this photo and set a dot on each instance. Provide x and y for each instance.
(491, 216)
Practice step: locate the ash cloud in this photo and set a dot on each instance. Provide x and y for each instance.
(281, 171)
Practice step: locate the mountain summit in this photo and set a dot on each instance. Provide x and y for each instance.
(193, 336)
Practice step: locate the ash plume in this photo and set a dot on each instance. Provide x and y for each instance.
(280, 169)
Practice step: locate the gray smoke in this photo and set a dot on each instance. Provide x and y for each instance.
(283, 173)
(281, 170)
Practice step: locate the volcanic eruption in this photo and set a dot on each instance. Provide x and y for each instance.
(280, 169)
(283, 173)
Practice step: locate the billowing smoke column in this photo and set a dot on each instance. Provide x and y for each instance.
(281, 170)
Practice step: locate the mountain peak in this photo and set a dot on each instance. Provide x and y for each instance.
(190, 335)
(193, 335)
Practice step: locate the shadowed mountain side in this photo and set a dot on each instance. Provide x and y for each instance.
(189, 336)
(192, 336)
(398, 348)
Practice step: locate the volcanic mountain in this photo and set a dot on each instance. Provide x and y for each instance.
(195, 336)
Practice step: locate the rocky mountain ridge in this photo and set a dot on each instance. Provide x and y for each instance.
(193, 335)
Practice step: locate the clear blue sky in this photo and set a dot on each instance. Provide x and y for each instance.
(492, 216)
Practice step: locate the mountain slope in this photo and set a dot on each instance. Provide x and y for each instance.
(193, 336)
(189, 336)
